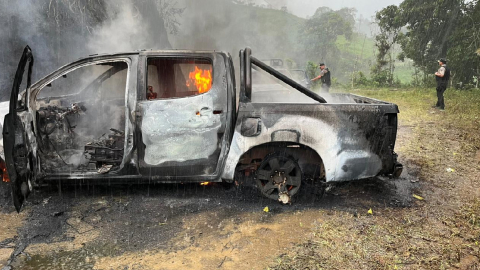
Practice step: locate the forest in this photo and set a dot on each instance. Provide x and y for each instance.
(427, 31)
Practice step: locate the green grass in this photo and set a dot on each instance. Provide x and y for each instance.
(404, 71)
(462, 107)
(359, 45)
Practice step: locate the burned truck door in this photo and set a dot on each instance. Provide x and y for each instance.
(18, 156)
(183, 117)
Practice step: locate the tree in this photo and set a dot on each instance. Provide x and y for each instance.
(348, 14)
(320, 32)
(433, 29)
(382, 71)
(170, 14)
(429, 26)
(311, 70)
(465, 41)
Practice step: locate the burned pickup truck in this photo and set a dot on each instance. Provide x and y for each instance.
(175, 116)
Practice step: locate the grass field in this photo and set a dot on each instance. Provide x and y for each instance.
(441, 227)
(363, 49)
(359, 45)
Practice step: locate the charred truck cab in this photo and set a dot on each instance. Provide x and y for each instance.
(172, 116)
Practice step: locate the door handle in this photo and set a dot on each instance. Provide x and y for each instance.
(214, 112)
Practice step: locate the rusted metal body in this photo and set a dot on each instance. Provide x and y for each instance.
(204, 137)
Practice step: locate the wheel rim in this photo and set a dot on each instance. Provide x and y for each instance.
(279, 178)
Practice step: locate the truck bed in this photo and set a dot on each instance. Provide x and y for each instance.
(278, 94)
(353, 135)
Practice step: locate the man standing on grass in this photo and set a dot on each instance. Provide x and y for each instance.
(442, 76)
(325, 76)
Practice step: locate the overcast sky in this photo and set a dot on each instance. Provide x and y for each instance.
(305, 8)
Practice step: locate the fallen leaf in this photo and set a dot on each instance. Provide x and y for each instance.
(418, 197)
(266, 209)
(370, 211)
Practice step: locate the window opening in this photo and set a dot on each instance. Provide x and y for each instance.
(177, 78)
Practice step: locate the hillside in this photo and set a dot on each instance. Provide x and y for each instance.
(270, 34)
(230, 27)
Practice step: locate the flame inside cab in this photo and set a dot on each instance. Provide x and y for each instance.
(201, 79)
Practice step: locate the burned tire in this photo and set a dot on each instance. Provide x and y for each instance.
(279, 177)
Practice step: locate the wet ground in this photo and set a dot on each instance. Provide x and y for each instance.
(176, 226)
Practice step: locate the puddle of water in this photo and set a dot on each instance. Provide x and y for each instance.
(83, 258)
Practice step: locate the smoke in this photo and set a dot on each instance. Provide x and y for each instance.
(18, 20)
(60, 31)
(130, 25)
(230, 27)
(123, 32)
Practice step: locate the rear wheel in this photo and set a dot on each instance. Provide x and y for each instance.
(279, 177)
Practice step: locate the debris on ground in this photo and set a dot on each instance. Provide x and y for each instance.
(418, 197)
(57, 214)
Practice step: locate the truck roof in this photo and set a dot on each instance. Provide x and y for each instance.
(154, 52)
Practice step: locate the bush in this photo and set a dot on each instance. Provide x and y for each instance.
(359, 79)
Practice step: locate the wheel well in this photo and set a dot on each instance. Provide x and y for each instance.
(308, 159)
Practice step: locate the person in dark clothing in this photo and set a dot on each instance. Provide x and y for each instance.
(325, 78)
(442, 76)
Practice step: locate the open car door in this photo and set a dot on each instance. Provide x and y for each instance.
(18, 158)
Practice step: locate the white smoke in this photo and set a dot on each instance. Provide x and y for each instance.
(123, 31)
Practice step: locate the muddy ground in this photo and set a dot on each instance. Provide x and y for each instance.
(174, 226)
(218, 227)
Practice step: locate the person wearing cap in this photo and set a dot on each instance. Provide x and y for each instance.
(442, 76)
(325, 78)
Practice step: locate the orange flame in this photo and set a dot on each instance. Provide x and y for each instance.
(202, 79)
(204, 183)
(3, 171)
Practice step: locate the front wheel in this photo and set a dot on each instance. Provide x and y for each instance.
(279, 177)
